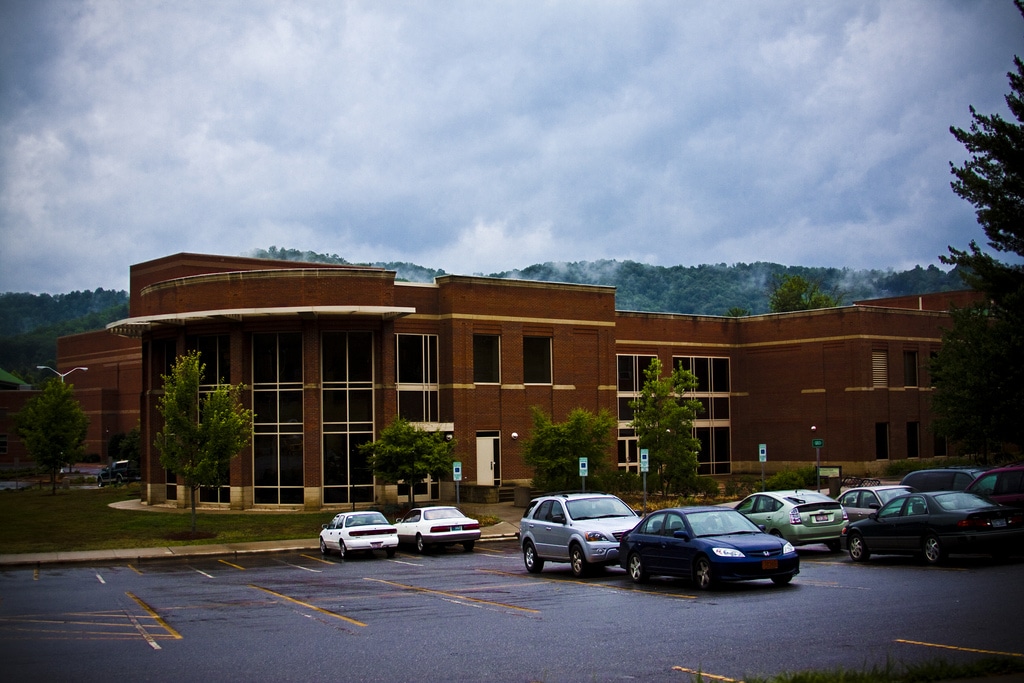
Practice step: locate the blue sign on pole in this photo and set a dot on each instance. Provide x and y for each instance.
(645, 462)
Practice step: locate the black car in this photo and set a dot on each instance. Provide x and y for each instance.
(707, 545)
(935, 524)
(942, 478)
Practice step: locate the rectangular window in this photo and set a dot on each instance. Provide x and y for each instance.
(881, 440)
(215, 355)
(486, 359)
(417, 386)
(631, 372)
(348, 412)
(939, 446)
(913, 439)
(879, 368)
(277, 403)
(910, 369)
(3, 444)
(537, 360)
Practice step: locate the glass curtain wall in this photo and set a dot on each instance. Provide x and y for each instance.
(277, 402)
(215, 355)
(347, 400)
(712, 425)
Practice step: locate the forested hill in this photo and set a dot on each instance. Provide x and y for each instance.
(31, 323)
(703, 290)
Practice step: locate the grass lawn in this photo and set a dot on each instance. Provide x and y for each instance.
(36, 520)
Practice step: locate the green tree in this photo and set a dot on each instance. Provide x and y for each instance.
(53, 427)
(201, 433)
(968, 373)
(797, 293)
(663, 422)
(737, 312)
(992, 179)
(409, 455)
(554, 449)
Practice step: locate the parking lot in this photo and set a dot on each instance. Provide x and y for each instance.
(480, 616)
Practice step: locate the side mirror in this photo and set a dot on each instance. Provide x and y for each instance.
(874, 516)
(558, 519)
(874, 506)
(682, 535)
(324, 526)
(762, 527)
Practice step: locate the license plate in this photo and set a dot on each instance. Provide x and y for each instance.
(376, 544)
(769, 564)
(998, 522)
(820, 518)
(456, 528)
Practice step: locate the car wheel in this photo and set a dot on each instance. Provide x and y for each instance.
(858, 549)
(534, 564)
(421, 547)
(390, 552)
(468, 546)
(637, 571)
(341, 549)
(934, 553)
(833, 545)
(323, 547)
(776, 533)
(782, 580)
(578, 561)
(702, 574)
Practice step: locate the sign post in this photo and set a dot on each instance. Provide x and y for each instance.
(817, 444)
(457, 476)
(762, 456)
(645, 465)
(583, 473)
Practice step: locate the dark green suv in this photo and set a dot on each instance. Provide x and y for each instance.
(121, 472)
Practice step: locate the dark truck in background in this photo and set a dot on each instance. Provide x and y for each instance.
(120, 472)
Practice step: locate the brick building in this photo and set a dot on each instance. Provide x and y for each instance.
(332, 353)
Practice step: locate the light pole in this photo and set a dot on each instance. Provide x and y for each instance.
(62, 375)
(817, 457)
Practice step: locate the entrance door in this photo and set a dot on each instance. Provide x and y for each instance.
(488, 459)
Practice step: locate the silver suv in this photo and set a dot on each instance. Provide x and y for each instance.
(582, 529)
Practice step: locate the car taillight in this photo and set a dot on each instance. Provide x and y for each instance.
(973, 523)
(794, 517)
(846, 517)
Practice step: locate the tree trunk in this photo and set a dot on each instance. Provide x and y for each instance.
(192, 501)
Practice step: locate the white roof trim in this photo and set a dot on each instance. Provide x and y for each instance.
(136, 327)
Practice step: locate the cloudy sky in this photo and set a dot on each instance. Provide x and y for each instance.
(485, 136)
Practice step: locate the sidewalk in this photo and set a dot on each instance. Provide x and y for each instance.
(506, 529)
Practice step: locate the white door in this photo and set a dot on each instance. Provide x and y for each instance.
(486, 460)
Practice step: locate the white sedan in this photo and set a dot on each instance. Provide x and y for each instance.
(437, 525)
(362, 531)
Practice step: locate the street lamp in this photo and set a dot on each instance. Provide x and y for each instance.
(62, 375)
(817, 457)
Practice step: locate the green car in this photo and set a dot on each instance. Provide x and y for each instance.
(801, 517)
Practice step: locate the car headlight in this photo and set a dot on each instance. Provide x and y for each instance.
(727, 552)
(595, 536)
(788, 548)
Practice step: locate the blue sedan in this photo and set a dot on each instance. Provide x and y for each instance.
(707, 545)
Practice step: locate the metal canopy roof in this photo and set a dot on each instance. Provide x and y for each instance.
(136, 327)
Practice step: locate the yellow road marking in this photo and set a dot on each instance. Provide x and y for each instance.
(454, 595)
(704, 674)
(232, 564)
(961, 649)
(318, 559)
(130, 566)
(151, 612)
(308, 606)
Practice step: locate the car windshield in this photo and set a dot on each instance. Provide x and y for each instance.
(598, 508)
(888, 494)
(960, 500)
(719, 523)
(442, 513)
(365, 519)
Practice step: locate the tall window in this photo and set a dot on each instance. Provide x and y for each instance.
(215, 355)
(913, 439)
(630, 370)
(537, 360)
(416, 360)
(486, 358)
(910, 369)
(277, 402)
(712, 426)
(882, 440)
(347, 399)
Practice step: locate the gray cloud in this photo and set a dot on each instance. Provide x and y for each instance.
(478, 137)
